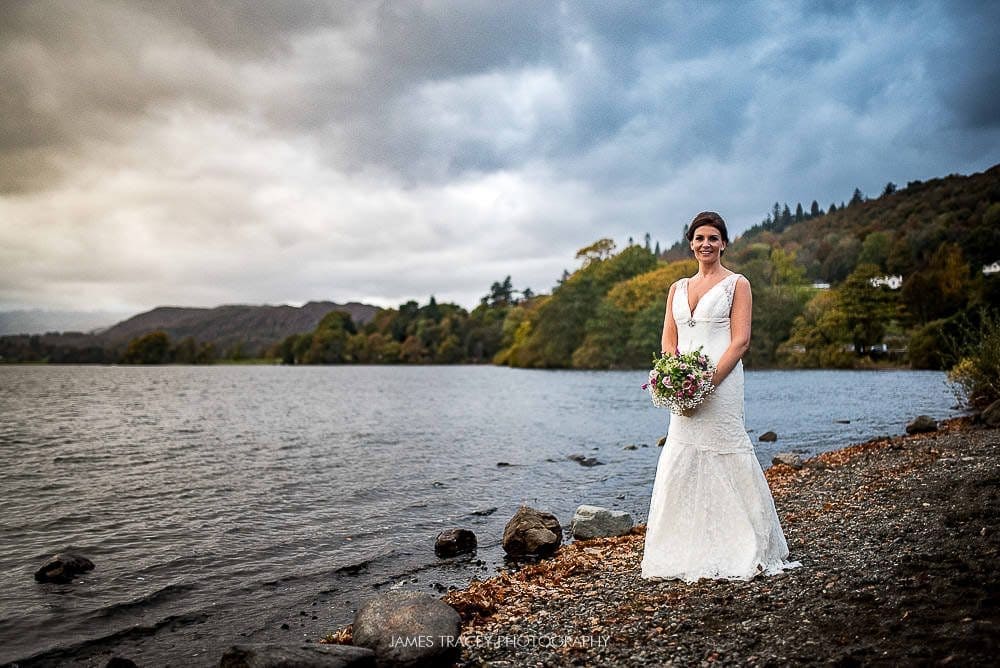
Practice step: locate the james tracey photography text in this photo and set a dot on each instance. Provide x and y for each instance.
(489, 640)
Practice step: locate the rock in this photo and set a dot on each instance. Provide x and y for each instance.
(452, 542)
(597, 522)
(502, 464)
(120, 662)
(768, 437)
(408, 628)
(583, 460)
(62, 568)
(991, 414)
(660, 442)
(630, 447)
(313, 655)
(921, 424)
(486, 512)
(788, 459)
(531, 532)
(842, 421)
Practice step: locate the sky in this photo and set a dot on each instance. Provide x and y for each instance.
(158, 152)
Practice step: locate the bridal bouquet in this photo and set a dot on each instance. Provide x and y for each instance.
(680, 381)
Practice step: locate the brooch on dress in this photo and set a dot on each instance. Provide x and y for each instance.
(691, 322)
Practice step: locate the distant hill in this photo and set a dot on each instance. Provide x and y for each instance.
(900, 231)
(256, 327)
(38, 321)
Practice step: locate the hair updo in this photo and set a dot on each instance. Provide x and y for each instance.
(708, 218)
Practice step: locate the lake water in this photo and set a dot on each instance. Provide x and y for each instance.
(233, 504)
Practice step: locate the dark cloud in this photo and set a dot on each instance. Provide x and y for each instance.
(320, 133)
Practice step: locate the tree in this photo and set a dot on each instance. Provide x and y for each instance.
(799, 213)
(867, 308)
(940, 288)
(185, 352)
(786, 218)
(875, 249)
(648, 240)
(601, 249)
(656, 251)
(814, 210)
(890, 188)
(152, 348)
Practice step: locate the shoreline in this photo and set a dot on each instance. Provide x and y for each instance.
(899, 539)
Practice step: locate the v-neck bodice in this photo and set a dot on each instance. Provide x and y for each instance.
(707, 325)
(687, 302)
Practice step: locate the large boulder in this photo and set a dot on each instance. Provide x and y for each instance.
(452, 542)
(598, 522)
(408, 628)
(313, 655)
(768, 437)
(532, 532)
(788, 459)
(921, 424)
(62, 568)
(991, 415)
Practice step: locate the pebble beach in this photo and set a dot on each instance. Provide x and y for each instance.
(899, 540)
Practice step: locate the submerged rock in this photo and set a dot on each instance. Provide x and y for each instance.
(408, 628)
(598, 522)
(532, 532)
(452, 542)
(313, 655)
(584, 460)
(921, 424)
(62, 568)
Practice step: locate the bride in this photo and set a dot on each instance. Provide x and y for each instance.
(711, 514)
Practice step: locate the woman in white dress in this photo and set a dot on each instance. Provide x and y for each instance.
(711, 514)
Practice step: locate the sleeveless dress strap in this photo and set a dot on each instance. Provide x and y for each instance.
(730, 289)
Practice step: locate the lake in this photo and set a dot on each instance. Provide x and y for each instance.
(228, 504)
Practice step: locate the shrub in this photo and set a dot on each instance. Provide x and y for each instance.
(976, 377)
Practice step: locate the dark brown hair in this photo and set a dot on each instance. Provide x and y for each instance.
(708, 218)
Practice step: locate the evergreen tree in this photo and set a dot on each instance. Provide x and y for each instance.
(833, 208)
(814, 210)
(890, 188)
(656, 251)
(799, 213)
(858, 197)
(786, 218)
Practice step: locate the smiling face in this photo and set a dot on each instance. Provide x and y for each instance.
(707, 243)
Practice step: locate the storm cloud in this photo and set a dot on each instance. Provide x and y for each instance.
(203, 153)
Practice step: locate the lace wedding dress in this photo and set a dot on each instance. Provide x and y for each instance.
(711, 514)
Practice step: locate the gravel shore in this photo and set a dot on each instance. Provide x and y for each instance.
(900, 549)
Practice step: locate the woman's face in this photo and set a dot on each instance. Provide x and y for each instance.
(707, 243)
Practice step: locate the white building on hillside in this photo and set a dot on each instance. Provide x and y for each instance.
(891, 282)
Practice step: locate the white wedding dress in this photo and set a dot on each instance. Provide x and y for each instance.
(711, 514)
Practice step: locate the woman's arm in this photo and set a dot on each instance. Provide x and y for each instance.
(668, 339)
(739, 323)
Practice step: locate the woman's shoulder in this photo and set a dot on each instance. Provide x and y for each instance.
(739, 280)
